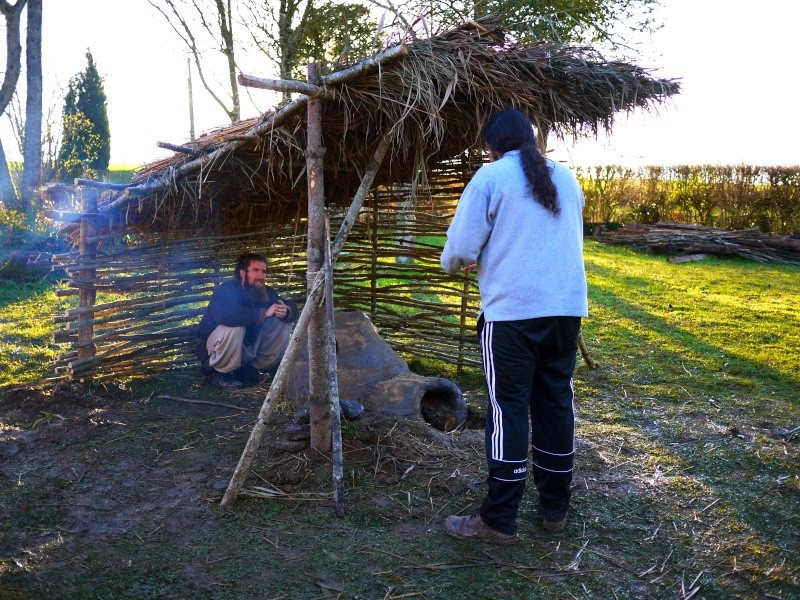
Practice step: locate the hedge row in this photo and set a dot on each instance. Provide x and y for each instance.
(731, 197)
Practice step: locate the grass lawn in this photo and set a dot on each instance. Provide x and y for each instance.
(687, 481)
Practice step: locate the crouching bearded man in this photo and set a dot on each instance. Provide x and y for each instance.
(245, 329)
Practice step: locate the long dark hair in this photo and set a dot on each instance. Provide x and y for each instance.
(510, 129)
(243, 262)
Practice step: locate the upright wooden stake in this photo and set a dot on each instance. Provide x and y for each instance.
(88, 253)
(333, 377)
(191, 100)
(319, 406)
(373, 276)
(462, 329)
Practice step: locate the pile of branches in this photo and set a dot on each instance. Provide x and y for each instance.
(680, 239)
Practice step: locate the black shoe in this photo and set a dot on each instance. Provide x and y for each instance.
(226, 381)
(250, 376)
(555, 523)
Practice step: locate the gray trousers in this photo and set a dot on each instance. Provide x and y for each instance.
(227, 350)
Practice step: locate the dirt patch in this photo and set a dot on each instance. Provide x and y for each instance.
(113, 492)
(101, 470)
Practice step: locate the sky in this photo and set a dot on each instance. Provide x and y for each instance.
(736, 63)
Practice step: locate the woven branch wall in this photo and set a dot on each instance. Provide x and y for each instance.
(151, 293)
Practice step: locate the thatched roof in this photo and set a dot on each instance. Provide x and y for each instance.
(431, 94)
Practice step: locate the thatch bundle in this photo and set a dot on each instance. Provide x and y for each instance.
(432, 94)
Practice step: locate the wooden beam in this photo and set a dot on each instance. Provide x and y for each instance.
(365, 65)
(319, 406)
(182, 149)
(103, 185)
(285, 85)
(333, 379)
(87, 296)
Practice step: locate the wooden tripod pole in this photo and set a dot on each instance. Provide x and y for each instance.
(333, 379)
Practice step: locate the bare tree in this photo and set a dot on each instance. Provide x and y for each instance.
(12, 14)
(16, 118)
(32, 151)
(51, 131)
(279, 30)
(202, 24)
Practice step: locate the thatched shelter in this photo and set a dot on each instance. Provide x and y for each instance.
(153, 250)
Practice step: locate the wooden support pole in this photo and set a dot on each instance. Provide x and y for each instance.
(285, 85)
(373, 276)
(319, 407)
(462, 327)
(314, 295)
(87, 294)
(318, 90)
(103, 185)
(182, 149)
(333, 379)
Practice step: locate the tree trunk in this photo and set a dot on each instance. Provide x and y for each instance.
(291, 37)
(7, 193)
(319, 405)
(226, 32)
(12, 14)
(191, 100)
(32, 169)
(219, 25)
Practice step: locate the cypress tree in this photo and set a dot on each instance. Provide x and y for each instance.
(92, 103)
(85, 153)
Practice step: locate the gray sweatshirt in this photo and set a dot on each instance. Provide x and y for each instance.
(530, 262)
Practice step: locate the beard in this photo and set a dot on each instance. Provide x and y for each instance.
(257, 292)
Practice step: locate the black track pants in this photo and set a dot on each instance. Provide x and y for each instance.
(528, 366)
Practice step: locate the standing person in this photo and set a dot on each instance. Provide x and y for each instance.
(246, 327)
(519, 222)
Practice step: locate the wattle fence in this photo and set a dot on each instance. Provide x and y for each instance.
(142, 298)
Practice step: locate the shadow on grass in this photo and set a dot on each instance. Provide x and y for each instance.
(604, 296)
(723, 438)
(12, 292)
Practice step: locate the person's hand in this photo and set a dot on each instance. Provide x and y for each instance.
(279, 309)
(470, 267)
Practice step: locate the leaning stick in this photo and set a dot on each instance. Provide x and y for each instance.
(191, 401)
(333, 381)
(585, 352)
(314, 296)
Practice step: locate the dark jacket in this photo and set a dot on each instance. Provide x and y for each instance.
(235, 306)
